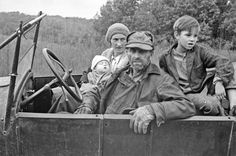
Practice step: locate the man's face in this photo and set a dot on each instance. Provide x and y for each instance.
(102, 67)
(139, 58)
(118, 42)
(187, 38)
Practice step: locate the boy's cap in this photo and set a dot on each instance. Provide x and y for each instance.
(116, 28)
(97, 59)
(142, 40)
(185, 22)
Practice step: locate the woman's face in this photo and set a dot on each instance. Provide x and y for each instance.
(118, 42)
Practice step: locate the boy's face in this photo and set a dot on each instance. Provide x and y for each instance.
(118, 42)
(102, 67)
(187, 38)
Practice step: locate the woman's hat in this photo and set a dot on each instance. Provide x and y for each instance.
(116, 28)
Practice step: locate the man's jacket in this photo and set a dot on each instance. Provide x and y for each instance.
(198, 59)
(156, 89)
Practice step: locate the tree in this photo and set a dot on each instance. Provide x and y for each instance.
(121, 11)
(216, 17)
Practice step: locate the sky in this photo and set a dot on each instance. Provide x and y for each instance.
(65, 8)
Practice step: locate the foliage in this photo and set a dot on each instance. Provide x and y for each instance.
(72, 39)
(54, 29)
(216, 17)
(77, 40)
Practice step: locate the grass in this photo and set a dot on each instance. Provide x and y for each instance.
(76, 58)
(72, 57)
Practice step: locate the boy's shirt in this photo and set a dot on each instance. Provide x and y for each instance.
(181, 67)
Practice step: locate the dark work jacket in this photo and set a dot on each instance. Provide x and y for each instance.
(198, 59)
(156, 89)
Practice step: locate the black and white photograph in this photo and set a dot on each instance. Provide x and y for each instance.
(118, 78)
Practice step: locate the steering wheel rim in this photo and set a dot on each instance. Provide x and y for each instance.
(49, 55)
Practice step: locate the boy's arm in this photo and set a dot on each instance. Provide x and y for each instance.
(224, 67)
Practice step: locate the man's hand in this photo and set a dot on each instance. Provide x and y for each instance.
(220, 90)
(83, 110)
(140, 120)
(232, 112)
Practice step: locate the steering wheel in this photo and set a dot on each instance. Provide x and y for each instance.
(50, 56)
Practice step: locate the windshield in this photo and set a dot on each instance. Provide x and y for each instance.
(24, 39)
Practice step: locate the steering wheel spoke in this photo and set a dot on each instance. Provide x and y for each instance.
(50, 58)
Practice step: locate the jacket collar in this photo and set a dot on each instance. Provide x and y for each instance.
(152, 69)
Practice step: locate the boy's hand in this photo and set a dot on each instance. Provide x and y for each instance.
(220, 90)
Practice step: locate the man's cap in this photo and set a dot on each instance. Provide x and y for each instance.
(116, 28)
(141, 39)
